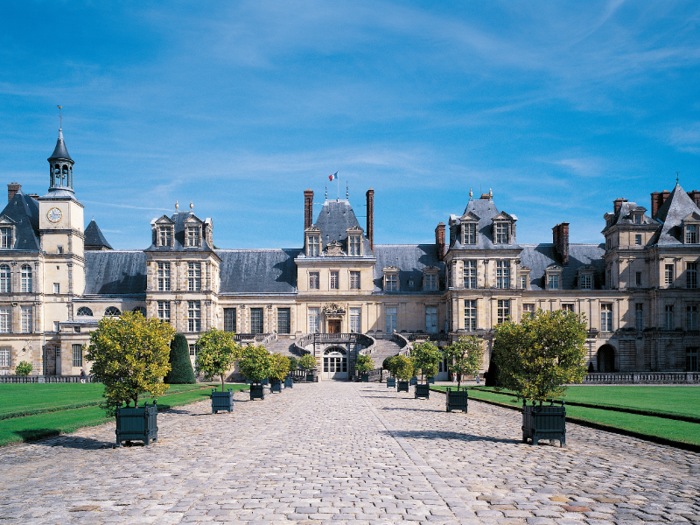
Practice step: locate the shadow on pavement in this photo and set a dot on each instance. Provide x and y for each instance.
(50, 437)
(435, 434)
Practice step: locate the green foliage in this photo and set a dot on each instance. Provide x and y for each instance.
(293, 363)
(540, 355)
(280, 367)
(129, 356)
(403, 367)
(23, 368)
(217, 353)
(389, 364)
(465, 356)
(181, 372)
(364, 364)
(426, 357)
(307, 362)
(256, 363)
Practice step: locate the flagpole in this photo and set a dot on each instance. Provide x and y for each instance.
(338, 179)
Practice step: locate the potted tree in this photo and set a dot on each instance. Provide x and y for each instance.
(23, 368)
(425, 358)
(464, 357)
(255, 365)
(181, 372)
(403, 369)
(536, 359)
(389, 364)
(363, 366)
(308, 363)
(278, 371)
(293, 366)
(129, 357)
(217, 353)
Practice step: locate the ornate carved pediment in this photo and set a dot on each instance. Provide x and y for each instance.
(333, 310)
(334, 248)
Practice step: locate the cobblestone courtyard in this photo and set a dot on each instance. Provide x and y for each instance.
(346, 453)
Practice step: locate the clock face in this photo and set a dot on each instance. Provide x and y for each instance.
(54, 215)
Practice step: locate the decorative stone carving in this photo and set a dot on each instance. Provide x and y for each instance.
(334, 248)
(333, 310)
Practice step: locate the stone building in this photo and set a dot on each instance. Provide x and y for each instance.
(638, 289)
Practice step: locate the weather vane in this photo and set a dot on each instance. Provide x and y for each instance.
(678, 174)
(60, 117)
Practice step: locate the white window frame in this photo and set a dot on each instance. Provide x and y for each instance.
(691, 275)
(606, 317)
(27, 279)
(163, 276)
(334, 280)
(194, 316)
(27, 319)
(469, 233)
(77, 355)
(6, 238)
(164, 311)
(314, 320)
(503, 310)
(230, 319)
(5, 319)
(503, 274)
(314, 280)
(5, 279)
(391, 282)
(355, 245)
(470, 277)
(5, 357)
(356, 320)
(193, 236)
(470, 314)
(313, 245)
(390, 312)
(194, 277)
(430, 282)
(431, 319)
(355, 279)
(165, 236)
(668, 274)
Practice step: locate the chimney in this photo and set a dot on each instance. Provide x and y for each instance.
(654, 203)
(370, 218)
(664, 195)
(440, 240)
(618, 203)
(560, 235)
(308, 209)
(12, 190)
(695, 197)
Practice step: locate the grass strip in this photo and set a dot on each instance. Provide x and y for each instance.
(679, 434)
(39, 426)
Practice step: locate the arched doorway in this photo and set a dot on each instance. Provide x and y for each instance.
(606, 358)
(335, 363)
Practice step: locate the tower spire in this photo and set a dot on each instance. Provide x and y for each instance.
(61, 164)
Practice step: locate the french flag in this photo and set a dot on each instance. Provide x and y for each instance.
(334, 176)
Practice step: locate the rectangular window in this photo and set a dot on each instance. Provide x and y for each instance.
(193, 350)
(354, 280)
(56, 288)
(27, 321)
(692, 317)
(5, 319)
(431, 319)
(638, 279)
(567, 307)
(390, 319)
(229, 319)
(5, 238)
(637, 218)
(356, 320)
(314, 245)
(165, 236)
(430, 282)
(354, 245)
(194, 316)
(5, 357)
(502, 274)
(470, 314)
(503, 310)
(691, 234)
(163, 277)
(528, 308)
(314, 321)
(469, 234)
(391, 282)
(314, 281)
(56, 326)
(669, 322)
(192, 236)
(78, 355)
(194, 277)
(586, 282)
(639, 316)
(691, 275)
(638, 239)
(553, 282)
(691, 359)
(523, 282)
(256, 321)
(669, 274)
(470, 274)
(335, 280)
(502, 233)
(164, 311)
(606, 323)
(283, 320)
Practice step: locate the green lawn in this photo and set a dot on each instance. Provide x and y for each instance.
(60, 417)
(672, 399)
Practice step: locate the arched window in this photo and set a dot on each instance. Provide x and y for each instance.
(26, 278)
(5, 279)
(140, 309)
(112, 311)
(84, 311)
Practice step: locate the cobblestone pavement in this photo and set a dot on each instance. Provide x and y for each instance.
(347, 453)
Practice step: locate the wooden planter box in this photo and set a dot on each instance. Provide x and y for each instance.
(423, 391)
(403, 386)
(431, 380)
(137, 424)
(257, 392)
(221, 401)
(544, 422)
(289, 382)
(265, 382)
(414, 381)
(456, 400)
(309, 378)
(275, 386)
(364, 378)
(391, 383)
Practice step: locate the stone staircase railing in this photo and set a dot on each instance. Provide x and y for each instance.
(661, 378)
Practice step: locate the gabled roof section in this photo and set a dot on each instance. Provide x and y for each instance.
(671, 214)
(411, 260)
(94, 240)
(470, 217)
(484, 211)
(542, 257)
(257, 271)
(179, 220)
(624, 215)
(23, 210)
(503, 216)
(334, 221)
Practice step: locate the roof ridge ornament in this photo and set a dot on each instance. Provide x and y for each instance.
(177, 205)
(191, 205)
(471, 194)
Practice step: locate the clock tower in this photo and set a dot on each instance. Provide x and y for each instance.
(61, 228)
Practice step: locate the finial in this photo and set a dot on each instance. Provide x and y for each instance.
(678, 173)
(60, 117)
(326, 192)
(471, 193)
(347, 191)
(191, 205)
(490, 194)
(177, 205)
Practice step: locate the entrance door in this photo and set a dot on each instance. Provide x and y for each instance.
(335, 364)
(334, 326)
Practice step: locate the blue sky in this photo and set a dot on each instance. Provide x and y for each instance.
(558, 107)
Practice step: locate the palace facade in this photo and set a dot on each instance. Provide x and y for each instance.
(638, 289)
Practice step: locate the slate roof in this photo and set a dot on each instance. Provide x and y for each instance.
(410, 259)
(624, 215)
(115, 272)
(60, 151)
(258, 271)
(94, 238)
(334, 220)
(24, 211)
(486, 210)
(677, 207)
(538, 257)
(179, 219)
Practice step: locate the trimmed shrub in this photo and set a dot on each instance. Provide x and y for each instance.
(181, 372)
(23, 368)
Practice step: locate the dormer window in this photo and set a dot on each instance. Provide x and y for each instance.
(165, 236)
(503, 228)
(691, 234)
(637, 218)
(469, 233)
(193, 237)
(554, 278)
(431, 281)
(313, 245)
(502, 233)
(6, 237)
(391, 279)
(354, 245)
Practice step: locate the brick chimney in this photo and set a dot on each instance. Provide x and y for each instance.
(12, 190)
(440, 240)
(370, 218)
(617, 203)
(308, 209)
(560, 235)
(695, 197)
